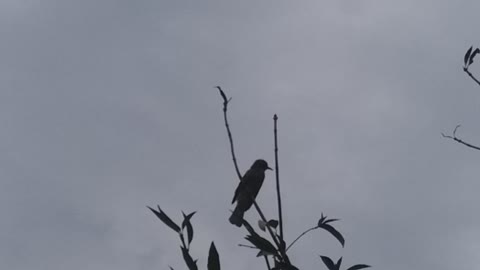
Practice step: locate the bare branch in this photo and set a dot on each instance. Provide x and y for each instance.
(455, 138)
(471, 75)
(225, 105)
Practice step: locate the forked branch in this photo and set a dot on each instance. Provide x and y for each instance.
(455, 138)
(227, 126)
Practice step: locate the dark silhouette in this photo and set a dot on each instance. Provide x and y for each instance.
(468, 61)
(247, 190)
(273, 250)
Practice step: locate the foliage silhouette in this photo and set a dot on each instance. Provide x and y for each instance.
(273, 250)
(467, 62)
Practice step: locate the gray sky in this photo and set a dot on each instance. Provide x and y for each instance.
(109, 106)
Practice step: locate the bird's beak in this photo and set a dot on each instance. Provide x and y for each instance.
(268, 168)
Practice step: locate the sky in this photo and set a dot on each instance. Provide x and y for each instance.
(107, 107)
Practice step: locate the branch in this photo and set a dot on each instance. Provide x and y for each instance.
(267, 262)
(455, 138)
(471, 75)
(225, 104)
(279, 198)
(300, 236)
(227, 126)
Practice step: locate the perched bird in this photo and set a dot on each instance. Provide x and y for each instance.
(247, 189)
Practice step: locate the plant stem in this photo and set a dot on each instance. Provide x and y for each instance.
(262, 216)
(279, 197)
(300, 236)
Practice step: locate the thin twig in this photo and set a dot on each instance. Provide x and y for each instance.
(227, 126)
(300, 236)
(471, 75)
(455, 138)
(247, 246)
(279, 197)
(225, 104)
(267, 262)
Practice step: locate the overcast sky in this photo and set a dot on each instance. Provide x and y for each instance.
(108, 106)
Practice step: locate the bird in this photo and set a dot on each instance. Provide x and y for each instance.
(247, 190)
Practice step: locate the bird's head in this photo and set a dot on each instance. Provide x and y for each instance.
(261, 164)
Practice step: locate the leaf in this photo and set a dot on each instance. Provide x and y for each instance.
(291, 267)
(339, 262)
(328, 263)
(186, 223)
(192, 265)
(477, 50)
(186, 218)
(322, 218)
(273, 223)
(189, 233)
(262, 225)
(467, 55)
(330, 220)
(334, 232)
(358, 267)
(213, 258)
(262, 244)
(262, 253)
(165, 219)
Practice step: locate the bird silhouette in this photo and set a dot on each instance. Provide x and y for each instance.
(247, 190)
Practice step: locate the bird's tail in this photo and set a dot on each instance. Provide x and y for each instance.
(237, 217)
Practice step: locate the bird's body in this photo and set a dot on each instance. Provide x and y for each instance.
(247, 190)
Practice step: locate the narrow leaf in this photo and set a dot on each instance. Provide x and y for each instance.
(273, 223)
(330, 220)
(262, 225)
(261, 243)
(322, 218)
(328, 262)
(189, 233)
(339, 262)
(191, 264)
(358, 267)
(186, 223)
(334, 232)
(477, 50)
(213, 258)
(467, 55)
(291, 267)
(165, 219)
(186, 218)
(263, 253)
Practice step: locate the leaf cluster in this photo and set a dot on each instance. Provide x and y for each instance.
(469, 56)
(213, 258)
